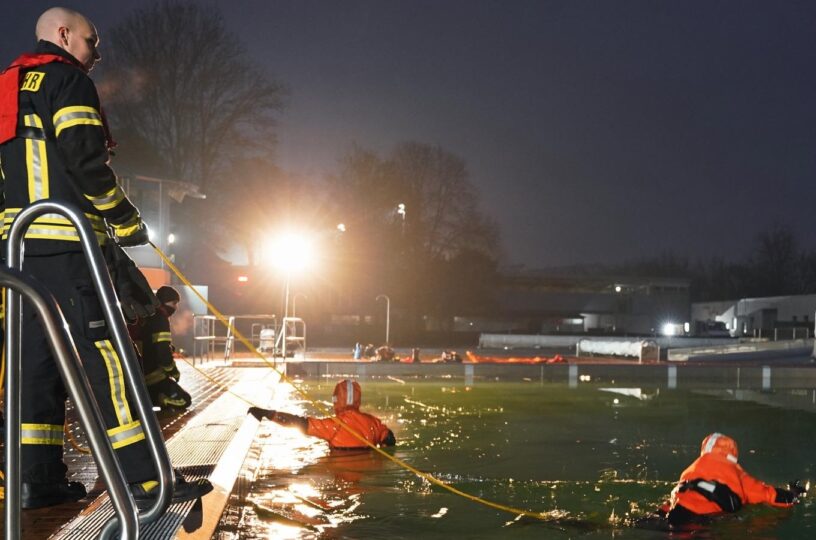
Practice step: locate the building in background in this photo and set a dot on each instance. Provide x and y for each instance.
(772, 317)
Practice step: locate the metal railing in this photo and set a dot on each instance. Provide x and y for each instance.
(126, 520)
(206, 338)
(292, 337)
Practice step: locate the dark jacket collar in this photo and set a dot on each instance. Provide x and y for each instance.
(46, 47)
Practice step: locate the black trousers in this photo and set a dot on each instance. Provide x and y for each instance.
(67, 277)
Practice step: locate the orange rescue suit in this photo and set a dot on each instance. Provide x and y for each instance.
(346, 399)
(717, 464)
(362, 423)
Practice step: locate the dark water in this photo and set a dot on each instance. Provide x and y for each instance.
(594, 461)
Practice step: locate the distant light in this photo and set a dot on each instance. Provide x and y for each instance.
(617, 288)
(401, 209)
(341, 227)
(669, 329)
(243, 279)
(171, 238)
(687, 327)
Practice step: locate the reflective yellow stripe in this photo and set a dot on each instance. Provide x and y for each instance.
(129, 227)
(76, 116)
(49, 434)
(159, 337)
(154, 377)
(108, 200)
(116, 380)
(36, 162)
(54, 227)
(126, 435)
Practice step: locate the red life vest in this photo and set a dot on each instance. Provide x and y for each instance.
(10, 89)
(10, 93)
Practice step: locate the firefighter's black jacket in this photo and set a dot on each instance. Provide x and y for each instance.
(61, 154)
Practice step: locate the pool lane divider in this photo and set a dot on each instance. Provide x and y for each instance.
(542, 516)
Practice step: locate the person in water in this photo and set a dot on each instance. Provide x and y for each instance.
(346, 399)
(716, 484)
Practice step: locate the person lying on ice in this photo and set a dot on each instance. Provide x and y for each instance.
(346, 399)
(715, 484)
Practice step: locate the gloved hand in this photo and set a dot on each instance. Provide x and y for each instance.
(261, 413)
(135, 295)
(138, 238)
(798, 489)
(172, 372)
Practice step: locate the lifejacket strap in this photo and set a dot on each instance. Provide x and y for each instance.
(31, 132)
(716, 492)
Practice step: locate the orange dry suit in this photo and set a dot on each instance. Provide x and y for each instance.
(346, 399)
(716, 483)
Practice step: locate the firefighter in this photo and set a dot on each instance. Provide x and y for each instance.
(54, 145)
(346, 399)
(155, 342)
(715, 484)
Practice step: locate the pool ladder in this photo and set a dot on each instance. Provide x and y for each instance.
(127, 519)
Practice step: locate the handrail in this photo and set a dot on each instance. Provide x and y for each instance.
(67, 360)
(121, 340)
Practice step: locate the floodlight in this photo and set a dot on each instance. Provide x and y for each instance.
(290, 252)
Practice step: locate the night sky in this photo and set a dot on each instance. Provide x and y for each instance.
(595, 131)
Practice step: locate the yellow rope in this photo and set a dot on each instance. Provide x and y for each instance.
(426, 476)
(73, 441)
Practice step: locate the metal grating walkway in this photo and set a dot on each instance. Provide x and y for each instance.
(196, 450)
(209, 440)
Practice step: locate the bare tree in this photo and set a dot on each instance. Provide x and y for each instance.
(414, 256)
(442, 213)
(179, 80)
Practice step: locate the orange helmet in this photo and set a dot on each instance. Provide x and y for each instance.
(347, 395)
(721, 445)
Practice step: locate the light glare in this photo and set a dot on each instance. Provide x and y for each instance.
(290, 252)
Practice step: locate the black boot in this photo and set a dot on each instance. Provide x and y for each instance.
(145, 493)
(42, 494)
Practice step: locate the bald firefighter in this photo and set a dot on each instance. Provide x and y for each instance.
(715, 484)
(346, 400)
(54, 146)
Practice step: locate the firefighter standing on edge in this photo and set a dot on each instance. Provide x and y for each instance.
(54, 145)
(715, 483)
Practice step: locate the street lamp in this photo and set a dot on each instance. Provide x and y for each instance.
(294, 302)
(387, 316)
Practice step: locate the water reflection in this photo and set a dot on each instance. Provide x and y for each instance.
(592, 469)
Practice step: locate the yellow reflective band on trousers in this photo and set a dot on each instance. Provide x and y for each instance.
(41, 434)
(36, 162)
(54, 227)
(76, 116)
(158, 337)
(155, 376)
(125, 435)
(116, 380)
(108, 200)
